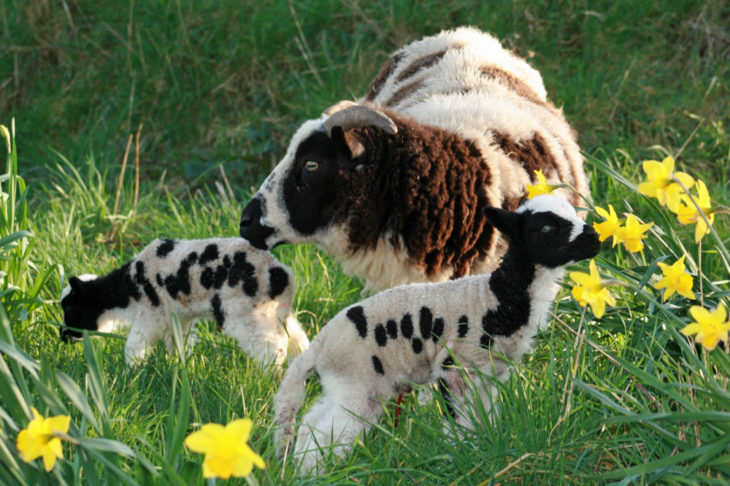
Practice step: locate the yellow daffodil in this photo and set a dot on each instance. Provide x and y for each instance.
(709, 327)
(40, 439)
(662, 184)
(675, 279)
(591, 291)
(609, 227)
(632, 233)
(688, 213)
(226, 449)
(542, 187)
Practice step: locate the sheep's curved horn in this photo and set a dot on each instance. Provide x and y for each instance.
(340, 105)
(355, 116)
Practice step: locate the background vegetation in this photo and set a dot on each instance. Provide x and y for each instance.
(140, 119)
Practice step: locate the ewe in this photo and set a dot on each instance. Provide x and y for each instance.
(416, 333)
(394, 185)
(247, 291)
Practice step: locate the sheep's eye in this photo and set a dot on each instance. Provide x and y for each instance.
(547, 228)
(311, 165)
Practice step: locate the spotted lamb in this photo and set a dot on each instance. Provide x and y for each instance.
(245, 290)
(418, 333)
(394, 184)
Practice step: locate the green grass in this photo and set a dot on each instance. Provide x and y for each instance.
(225, 82)
(212, 91)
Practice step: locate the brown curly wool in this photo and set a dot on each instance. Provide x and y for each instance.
(427, 183)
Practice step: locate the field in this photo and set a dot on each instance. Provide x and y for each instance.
(128, 121)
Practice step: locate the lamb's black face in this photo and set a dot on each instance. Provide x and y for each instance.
(78, 312)
(552, 240)
(548, 230)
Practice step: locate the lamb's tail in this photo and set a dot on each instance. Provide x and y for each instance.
(291, 395)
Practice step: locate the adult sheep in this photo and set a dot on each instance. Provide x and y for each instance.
(393, 185)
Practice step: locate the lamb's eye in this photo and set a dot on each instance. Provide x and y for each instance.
(547, 228)
(311, 165)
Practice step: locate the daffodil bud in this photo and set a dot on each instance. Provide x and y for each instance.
(6, 135)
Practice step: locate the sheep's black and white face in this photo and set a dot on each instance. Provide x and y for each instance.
(299, 199)
(292, 202)
(548, 229)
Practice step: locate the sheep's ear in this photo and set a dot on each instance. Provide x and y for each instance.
(347, 144)
(507, 222)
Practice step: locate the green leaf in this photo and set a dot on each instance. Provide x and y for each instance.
(96, 384)
(77, 397)
(688, 455)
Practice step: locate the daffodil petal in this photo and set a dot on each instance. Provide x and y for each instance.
(653, 168)
(608, 298)
(687, 293)
(599, 308)
(690, 329)
(240, 428)
(668, 292)
(668, 163)
(708, 340)
(580, 278)
(216, 467)
(205, 439)
(60, 423)
(720, 313)
(699, 314)
(686, 179)
(50, 455)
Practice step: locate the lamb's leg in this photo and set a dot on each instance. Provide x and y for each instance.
(334, 423)
(135, 350)
(298, 340)
(259, 336)
(189, 341)
(145, 331)
(466, 400)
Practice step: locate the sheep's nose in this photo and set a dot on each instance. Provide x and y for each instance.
(250, 226)
(246, 220)
(251, 213)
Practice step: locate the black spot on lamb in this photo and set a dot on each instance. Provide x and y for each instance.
(414, 334)
(245, 290)
(394, 184)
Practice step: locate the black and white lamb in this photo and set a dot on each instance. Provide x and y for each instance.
(245, 290)
(416, 334)
(394, 185)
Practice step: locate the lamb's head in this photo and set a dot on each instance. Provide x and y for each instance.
(304, 193)
(78, 307)
(547, 230)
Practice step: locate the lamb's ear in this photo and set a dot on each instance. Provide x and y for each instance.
(76, 284)
(507, 222)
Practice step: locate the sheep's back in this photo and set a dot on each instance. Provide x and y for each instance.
(463, 81)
